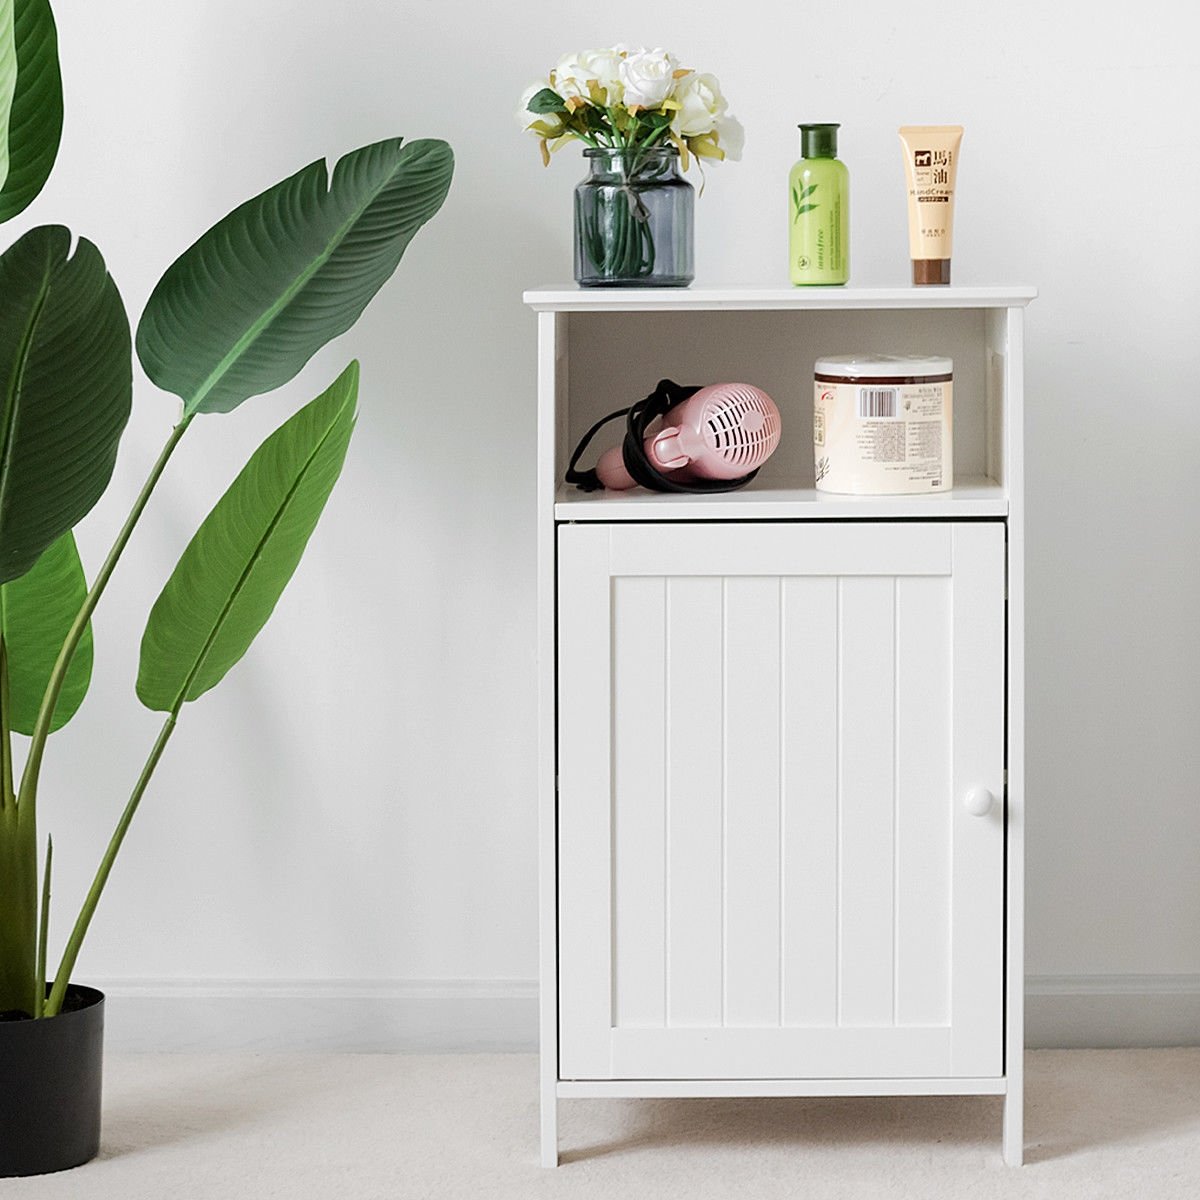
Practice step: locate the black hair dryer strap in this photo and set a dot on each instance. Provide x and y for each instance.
(589, 481)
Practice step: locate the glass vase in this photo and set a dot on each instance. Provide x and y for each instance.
(634, 220)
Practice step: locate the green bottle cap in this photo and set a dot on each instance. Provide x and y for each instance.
(818, 141)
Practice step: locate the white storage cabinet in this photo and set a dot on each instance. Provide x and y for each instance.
(781, 751)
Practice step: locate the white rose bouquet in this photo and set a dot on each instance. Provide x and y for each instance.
(626, 99)
(636, 109)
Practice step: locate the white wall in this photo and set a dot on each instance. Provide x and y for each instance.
(356, 802)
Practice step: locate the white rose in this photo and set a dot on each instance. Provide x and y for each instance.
(571, 76)
(575, 72)
(648, 76)
(552, 122)
(701, 105)
(604, 66)
(731, 137)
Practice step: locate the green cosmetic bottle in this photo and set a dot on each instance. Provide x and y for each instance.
(819, 210)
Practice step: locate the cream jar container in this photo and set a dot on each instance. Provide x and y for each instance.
(883, 424)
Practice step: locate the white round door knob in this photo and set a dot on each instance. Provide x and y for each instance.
(978, 802)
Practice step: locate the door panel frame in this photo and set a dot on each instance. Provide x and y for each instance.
(590, 556)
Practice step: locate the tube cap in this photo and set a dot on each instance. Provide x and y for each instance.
(818, 141)
(931, 270)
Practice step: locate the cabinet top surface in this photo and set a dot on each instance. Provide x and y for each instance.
(570, 298)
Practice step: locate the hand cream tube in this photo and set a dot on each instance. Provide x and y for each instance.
(930, 168)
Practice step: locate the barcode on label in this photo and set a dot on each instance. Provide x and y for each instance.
(876, 402)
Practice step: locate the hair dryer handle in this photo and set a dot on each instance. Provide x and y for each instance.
(668, 449)
(665, 449)
(610, 470)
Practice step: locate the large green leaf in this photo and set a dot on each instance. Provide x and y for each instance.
(34, 120)
(8, 80)
(245, 308)
(234, 570)
(36, 611)
(65, 389)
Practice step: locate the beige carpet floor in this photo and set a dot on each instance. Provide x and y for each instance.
(1101, 1123)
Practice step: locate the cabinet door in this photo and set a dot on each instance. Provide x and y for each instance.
(767, 734)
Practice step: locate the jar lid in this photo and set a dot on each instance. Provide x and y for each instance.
(883, 366)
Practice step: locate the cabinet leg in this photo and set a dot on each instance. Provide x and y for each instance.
(549, 1128)
(1014, 1127)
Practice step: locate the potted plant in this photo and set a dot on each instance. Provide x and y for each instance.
(641, 116)
(237, 314)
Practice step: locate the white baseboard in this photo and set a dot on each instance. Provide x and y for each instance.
(1112, 1010)
(423, 1015)
(465, 1015)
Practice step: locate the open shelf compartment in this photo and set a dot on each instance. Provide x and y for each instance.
(611, 348)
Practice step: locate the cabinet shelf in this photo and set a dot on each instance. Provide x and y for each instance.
(973, 497)
(569, 298)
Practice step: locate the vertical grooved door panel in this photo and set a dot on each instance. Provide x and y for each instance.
(923, 798)
(695, 801)
(809, 795)
(751, 826)
(640, 720)
(866, 800)
(765, 736)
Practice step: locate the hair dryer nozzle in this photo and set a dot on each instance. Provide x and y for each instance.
(611, 470)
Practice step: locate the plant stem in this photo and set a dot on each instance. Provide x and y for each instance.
(18, 872)
(18, 914)
(27, 798)
(39, 993)
(6, 758)
(63, 975)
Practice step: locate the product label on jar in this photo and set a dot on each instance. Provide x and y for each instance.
(883, 437)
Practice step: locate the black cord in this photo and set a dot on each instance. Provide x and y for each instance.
(589, 481)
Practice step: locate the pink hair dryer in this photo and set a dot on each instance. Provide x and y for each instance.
(723, 431)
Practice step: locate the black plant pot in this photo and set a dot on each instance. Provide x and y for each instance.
(50, 1074)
